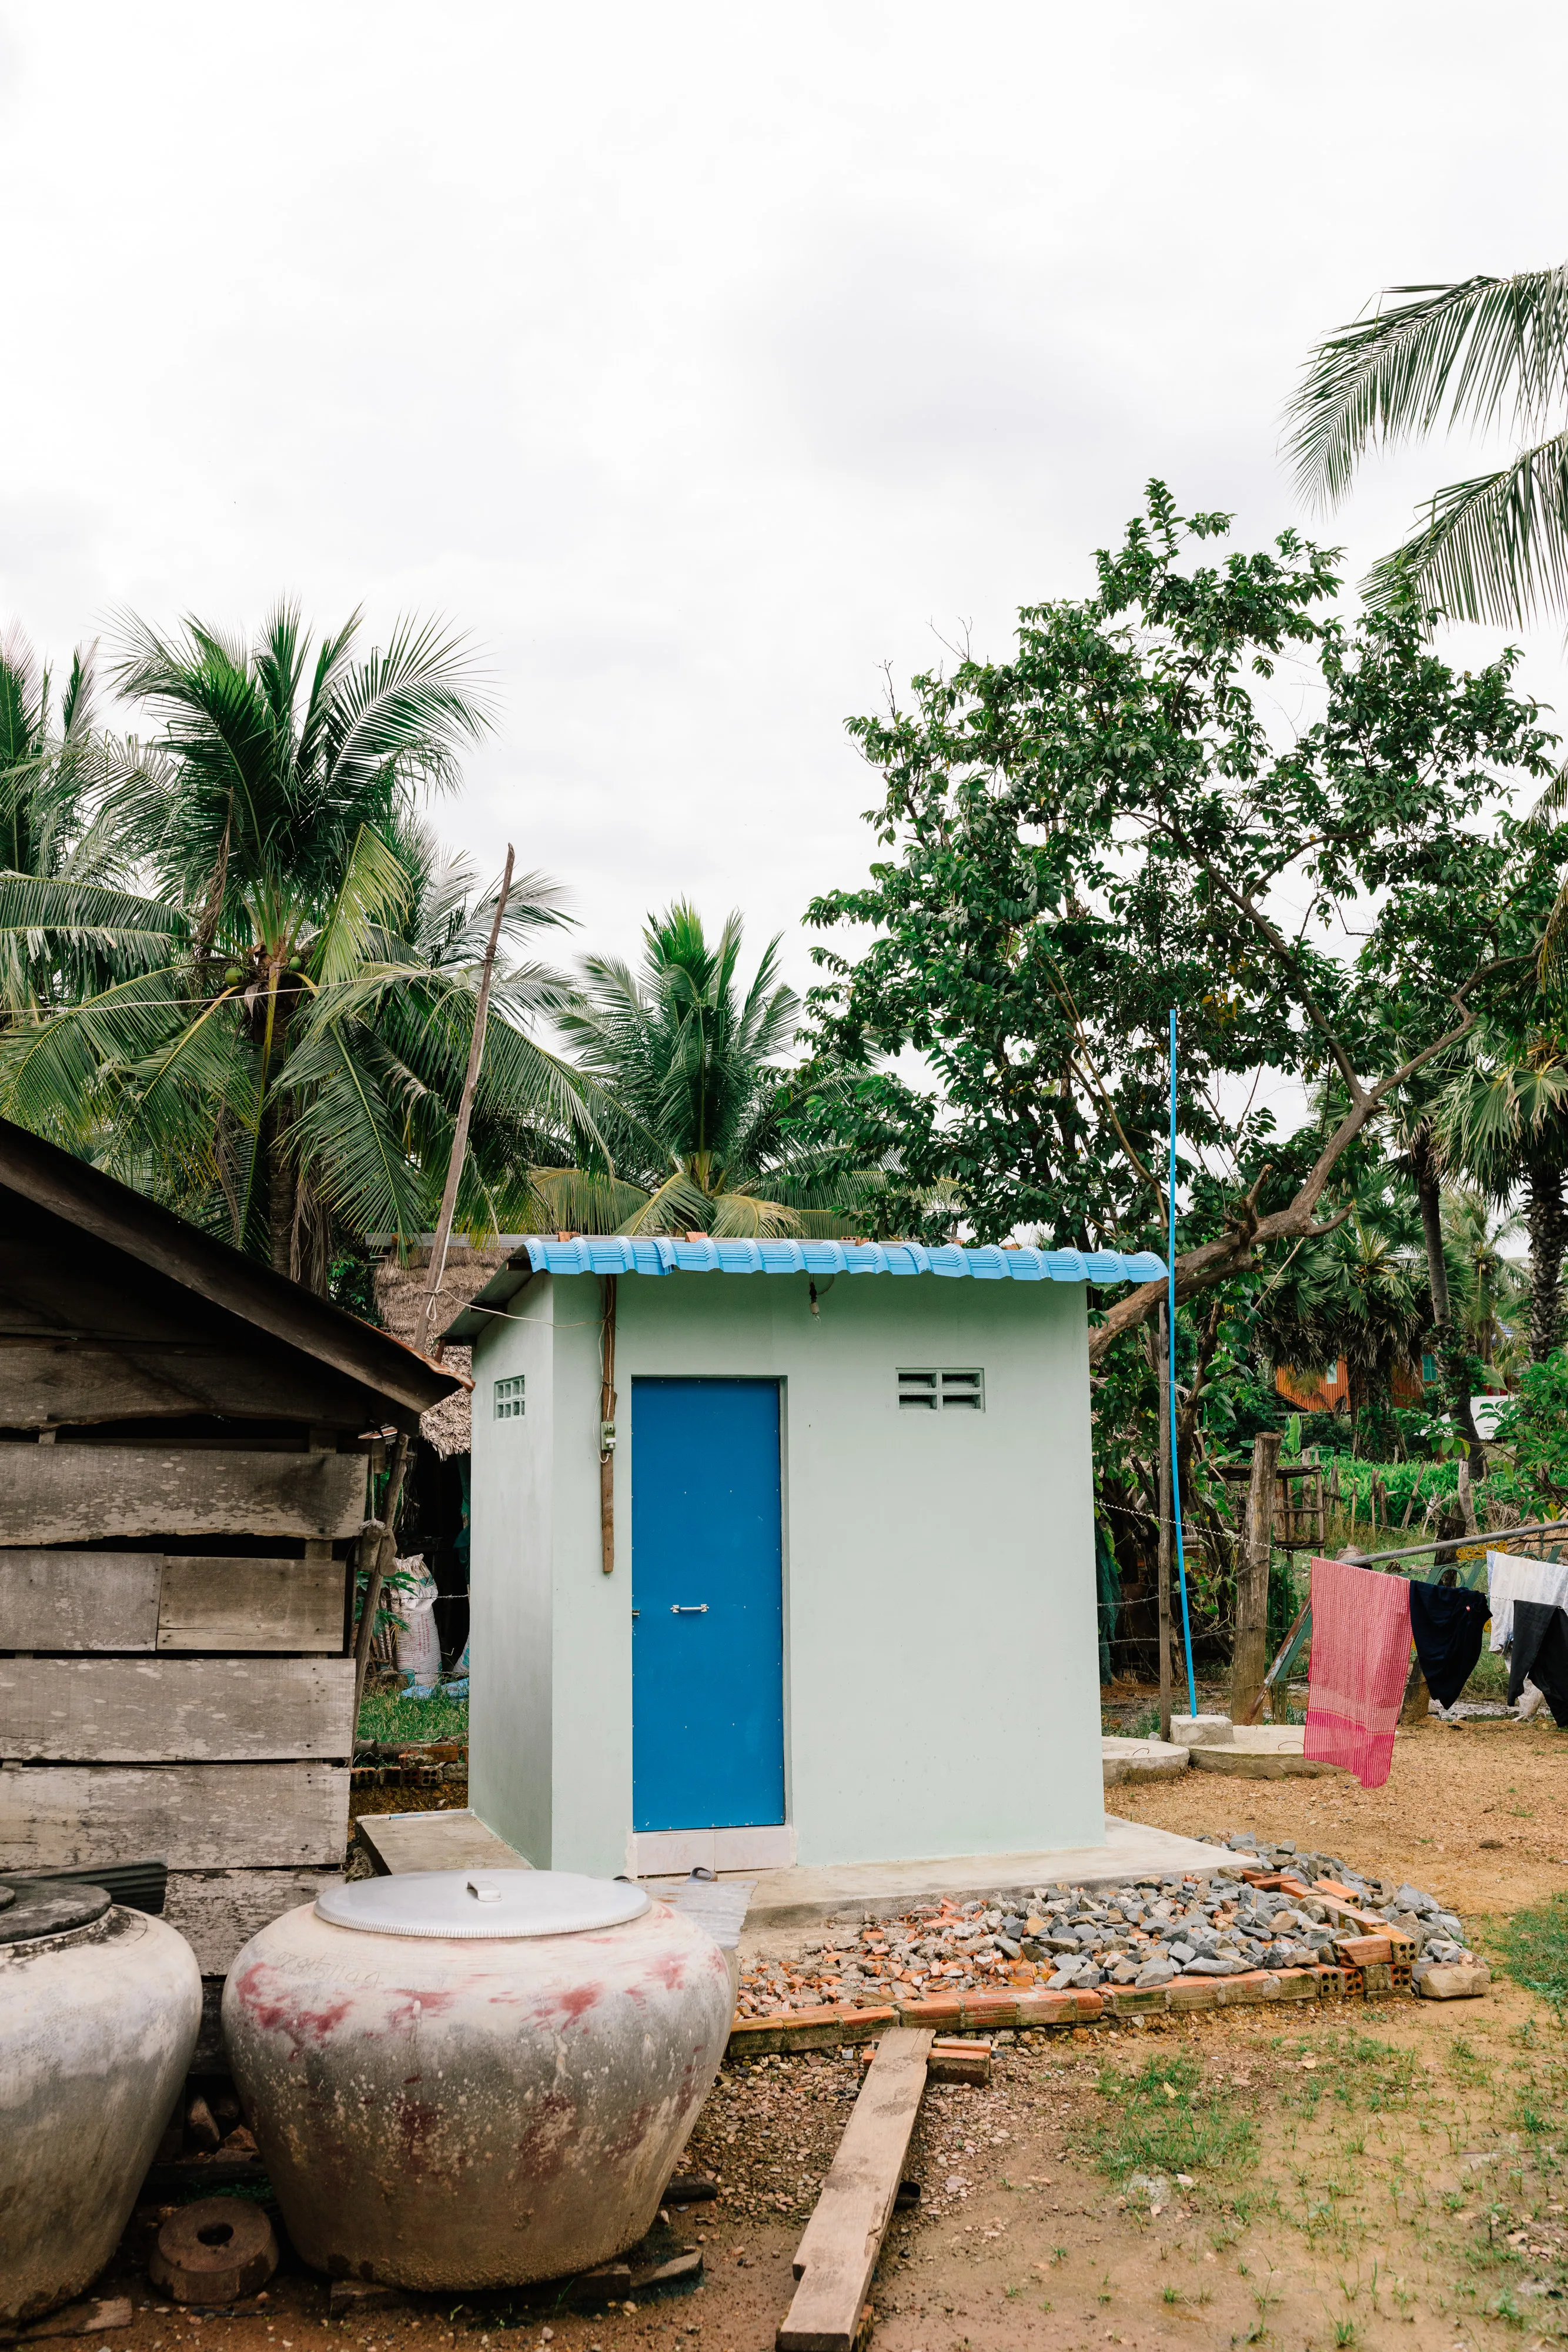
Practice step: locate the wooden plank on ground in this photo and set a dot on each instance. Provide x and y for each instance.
(209, 1601)
(838, 2253)
(192, 1816)
(158, 1710)
(73, 1494)
(458, 1840)
(79, 1600)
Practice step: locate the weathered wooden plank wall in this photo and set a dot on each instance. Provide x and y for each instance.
(143, 1600)
(174, 1710)
(82, 1494)
(192, 1816)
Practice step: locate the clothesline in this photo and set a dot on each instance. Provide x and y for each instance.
(1494, 1539)
(1291, 1647)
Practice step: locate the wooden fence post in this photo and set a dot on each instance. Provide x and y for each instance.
(1250, 1656)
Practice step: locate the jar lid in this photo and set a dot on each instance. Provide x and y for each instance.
(50, 1907)
(482, 1903)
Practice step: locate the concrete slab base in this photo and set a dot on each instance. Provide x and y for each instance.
(1263, 1751)
(1128, 1761)
(805, 1897)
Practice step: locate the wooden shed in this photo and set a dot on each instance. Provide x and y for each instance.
(182, 1495)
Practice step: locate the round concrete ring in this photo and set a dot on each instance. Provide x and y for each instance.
(213, 2251)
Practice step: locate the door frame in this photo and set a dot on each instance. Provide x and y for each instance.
(768, 1845)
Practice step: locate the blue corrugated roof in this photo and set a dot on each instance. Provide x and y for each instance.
(659, 1253)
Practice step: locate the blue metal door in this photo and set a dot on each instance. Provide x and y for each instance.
(707, 1652)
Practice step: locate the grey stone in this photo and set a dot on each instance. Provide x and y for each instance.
(1216, 1968)
(1124, 1973)
(1155, 1972)
(1410, 1898)
(1182, 1952)
(1448, 1923)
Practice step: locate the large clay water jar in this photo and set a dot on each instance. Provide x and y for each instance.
(99, 2009)
(466, 2079)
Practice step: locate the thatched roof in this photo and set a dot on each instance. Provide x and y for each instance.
(400, 1289)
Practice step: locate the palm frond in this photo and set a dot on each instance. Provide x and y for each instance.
(1493, 550)
(1466, 350)
(373, 888)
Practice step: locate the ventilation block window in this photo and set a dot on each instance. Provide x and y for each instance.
(508, 1395)
(940, 1391)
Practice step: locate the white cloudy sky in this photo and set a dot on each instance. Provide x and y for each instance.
(701, 359)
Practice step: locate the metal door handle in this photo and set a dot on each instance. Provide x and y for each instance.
(698, 1609)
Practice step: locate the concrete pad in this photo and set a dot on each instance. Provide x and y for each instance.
(1262, 1752)
(1202, 1731)
(804, 1897)
(1124, 1761)
(454, 1840)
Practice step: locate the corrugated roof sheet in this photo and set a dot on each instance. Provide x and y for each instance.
(659, 1253)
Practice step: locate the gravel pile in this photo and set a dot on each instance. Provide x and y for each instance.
(1144, 1932)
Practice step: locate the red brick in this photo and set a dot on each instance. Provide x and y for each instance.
(990, 2011)
(946, 2010)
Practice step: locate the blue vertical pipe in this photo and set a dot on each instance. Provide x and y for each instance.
(1170, 1326)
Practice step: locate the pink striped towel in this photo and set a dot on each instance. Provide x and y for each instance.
(1361, 1661)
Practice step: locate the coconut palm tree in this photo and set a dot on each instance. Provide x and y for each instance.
(1486, 1284)
(1415, 1132)
(52, 763)
(283, 1035)
(691, 1099)
(1478, 352)
(1505, 1122)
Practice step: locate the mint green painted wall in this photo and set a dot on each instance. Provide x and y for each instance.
(941, 1691)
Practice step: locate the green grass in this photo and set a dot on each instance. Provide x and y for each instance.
(387, 1714)
(1533, 1949)
(1165, 2119)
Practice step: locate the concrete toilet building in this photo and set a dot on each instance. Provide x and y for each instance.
(817, 1587)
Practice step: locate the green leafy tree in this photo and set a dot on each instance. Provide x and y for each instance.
(279, 1040)
(1482, 353)
(1532, 1428)
(692, 1101)
(1114, 821)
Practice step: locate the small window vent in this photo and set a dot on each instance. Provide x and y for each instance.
(508, 1397)
(940, 1391)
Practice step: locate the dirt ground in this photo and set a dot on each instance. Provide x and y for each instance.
(1474, 1812)
(1379, 2175)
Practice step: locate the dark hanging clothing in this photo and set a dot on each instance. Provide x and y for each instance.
(1540, 1651)
(1447, 1626)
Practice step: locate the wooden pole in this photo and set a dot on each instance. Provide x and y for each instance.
(465, 1113)
(607, 1431)
(386, 1548)
(1168, 1520)
(1250, 1657)
(382, 1559)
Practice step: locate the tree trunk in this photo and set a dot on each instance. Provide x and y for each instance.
(1453, 1360)
(280, 1196)
(1249, 1656)
(1548, 1229)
